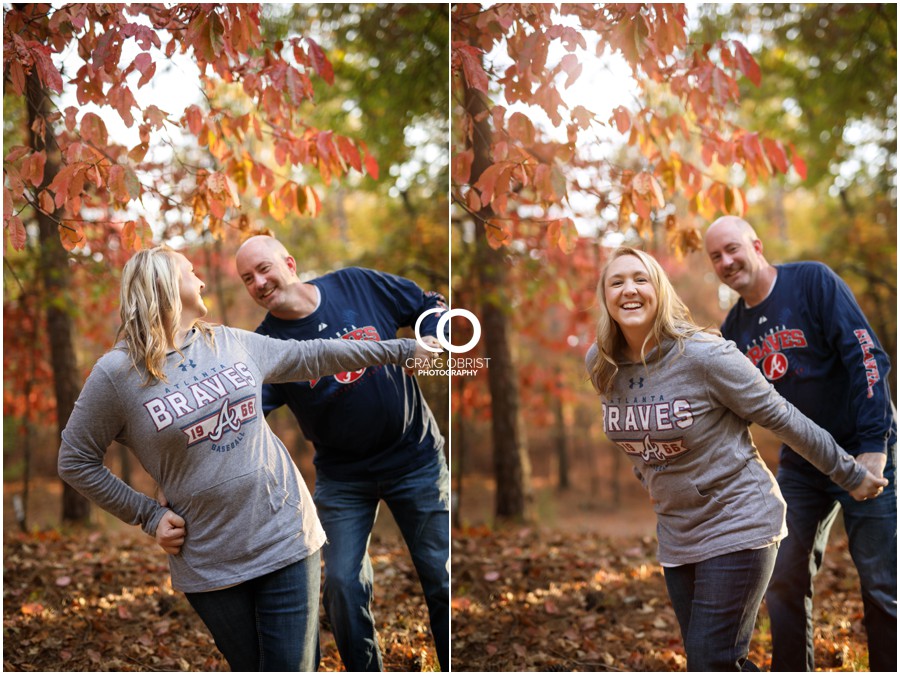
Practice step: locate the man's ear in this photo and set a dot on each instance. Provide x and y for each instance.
(292, 264)
(758, 246)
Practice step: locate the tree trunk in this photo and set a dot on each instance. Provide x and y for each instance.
(562, 446)
(459, 455)
(55, 277)
(512, 469)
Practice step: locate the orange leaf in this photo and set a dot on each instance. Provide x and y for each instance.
(462, 166)
(642, 183)
(568, 236)
(622, 119)
(17, 235)
(45, 199)
(194, 119)
(497, 234)
(93, 129)
(31, 608)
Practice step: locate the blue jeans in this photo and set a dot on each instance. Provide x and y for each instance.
(813, 503)
(716, 602)
(270, 623)
(419, 502)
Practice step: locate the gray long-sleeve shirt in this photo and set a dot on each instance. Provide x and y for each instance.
(683, 421)
(203, 437)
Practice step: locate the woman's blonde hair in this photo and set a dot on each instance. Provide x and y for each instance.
(150, 309)
(673, 321)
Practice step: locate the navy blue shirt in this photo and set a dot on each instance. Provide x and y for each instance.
(374, 423)
(812, 342)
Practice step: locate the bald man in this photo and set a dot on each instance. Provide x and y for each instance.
(800, 324)
(374, 435)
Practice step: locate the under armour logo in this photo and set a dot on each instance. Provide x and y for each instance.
(322, 326)
(762, 319)
(190, 363)
(639, 384)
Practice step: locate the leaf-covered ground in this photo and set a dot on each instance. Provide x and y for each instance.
(536, 600)
(103, 602)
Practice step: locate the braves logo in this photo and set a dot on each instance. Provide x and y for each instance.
(654, 452)
(367, 333)
(231, 416)
(651, 450)
(775, 366)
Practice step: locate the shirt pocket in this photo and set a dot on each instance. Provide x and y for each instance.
(239, 518)
(727, 492)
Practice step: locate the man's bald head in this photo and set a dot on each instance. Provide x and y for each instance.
(269, 274)
(736, 254)
(262, 242)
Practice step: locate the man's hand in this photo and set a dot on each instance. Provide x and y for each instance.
(423, 358)
(170, 533)
(871, 487)
(874, 462)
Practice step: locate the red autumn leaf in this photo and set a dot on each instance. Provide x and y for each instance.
(371, 165)
(93, 129)
(622, 119)
(15, 153)
(473, 201)
(17, 234)
(45, 201)
(488, 179)
(572, 67)
(747, 63)
(473, 70)
(17, 77)
(798, 163)
(48, 72)
(33, 168)
(320, 62)
(138, 152)
(776, 154)
(132, 184)
(462, 166)
(194, 119)
(582, 116)
(349, 152)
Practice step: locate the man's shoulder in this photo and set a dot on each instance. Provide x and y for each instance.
(805, 269)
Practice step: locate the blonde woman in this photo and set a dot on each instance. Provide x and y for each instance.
(678, 400)
(184, 395)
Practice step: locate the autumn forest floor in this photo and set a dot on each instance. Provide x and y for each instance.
(583, 592)
(100, 600)
(580, 592)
